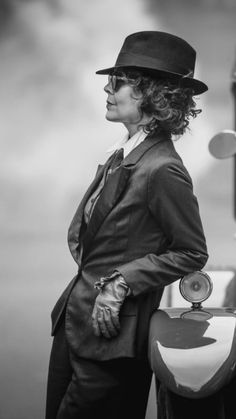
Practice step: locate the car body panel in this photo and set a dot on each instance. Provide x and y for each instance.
(193, 352)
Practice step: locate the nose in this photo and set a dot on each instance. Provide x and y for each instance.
(108, 88)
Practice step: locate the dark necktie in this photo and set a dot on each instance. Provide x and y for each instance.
(116, 161)
(118, 157)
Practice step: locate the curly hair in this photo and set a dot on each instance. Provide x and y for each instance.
(168, 103)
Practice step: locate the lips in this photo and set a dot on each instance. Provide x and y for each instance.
(109, 103)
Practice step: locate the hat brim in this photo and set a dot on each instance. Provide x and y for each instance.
(198, 86)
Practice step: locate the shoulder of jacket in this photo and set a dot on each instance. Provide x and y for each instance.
(162, 165)
(163, 156)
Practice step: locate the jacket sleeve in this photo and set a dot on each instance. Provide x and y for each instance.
(173, 205)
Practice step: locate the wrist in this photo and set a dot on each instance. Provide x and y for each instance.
(115, 276)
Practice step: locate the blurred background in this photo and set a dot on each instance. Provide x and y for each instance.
(52, 136)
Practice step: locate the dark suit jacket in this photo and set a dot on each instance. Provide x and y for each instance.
(146, 225)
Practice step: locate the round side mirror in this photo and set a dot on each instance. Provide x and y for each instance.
(223, 144)
(196, 287)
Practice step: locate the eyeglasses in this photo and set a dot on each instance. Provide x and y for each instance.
(118, 81)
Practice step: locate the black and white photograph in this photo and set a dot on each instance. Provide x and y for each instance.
(118, 209)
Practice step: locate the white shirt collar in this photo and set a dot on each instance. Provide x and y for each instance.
(128, 144)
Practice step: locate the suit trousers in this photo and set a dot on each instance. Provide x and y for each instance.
(80, 388)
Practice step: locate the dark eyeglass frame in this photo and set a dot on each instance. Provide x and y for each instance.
(117, 81)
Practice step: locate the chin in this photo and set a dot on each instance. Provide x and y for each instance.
(111, 117)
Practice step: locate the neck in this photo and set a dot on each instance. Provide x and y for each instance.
(134, 128)
(132, 131)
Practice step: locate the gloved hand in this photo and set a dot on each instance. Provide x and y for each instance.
(113, 291)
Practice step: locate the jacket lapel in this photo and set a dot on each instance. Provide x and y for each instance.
(75, 228)
(110, 194)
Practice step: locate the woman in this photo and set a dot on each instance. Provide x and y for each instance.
(136, 230)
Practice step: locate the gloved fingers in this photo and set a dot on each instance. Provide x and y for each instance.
(112, 326)
(115, 320)
(105, 323)
(99, 324)
(102, 323)
(102, 326)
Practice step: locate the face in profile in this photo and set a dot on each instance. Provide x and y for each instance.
(123, 102)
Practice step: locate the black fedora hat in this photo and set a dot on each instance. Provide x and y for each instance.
(159, 54)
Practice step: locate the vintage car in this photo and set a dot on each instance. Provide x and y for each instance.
(192, 337)
(192, 350)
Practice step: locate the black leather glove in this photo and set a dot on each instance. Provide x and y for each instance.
(113, 291)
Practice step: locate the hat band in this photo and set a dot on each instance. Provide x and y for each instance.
(133, 60)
